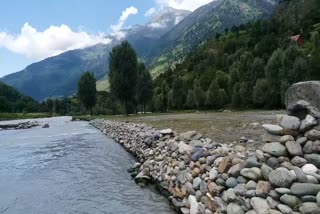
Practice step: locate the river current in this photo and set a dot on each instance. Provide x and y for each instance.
(70, 167)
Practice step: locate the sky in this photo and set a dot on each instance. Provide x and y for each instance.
(33, 30)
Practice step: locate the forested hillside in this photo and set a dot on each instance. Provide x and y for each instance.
(250, 66)
(13, 101)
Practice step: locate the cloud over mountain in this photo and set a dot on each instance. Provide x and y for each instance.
(116, 29)
(190, 5)
(54, 40)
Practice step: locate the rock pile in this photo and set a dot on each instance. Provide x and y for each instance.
(22, 125)
(204, 177)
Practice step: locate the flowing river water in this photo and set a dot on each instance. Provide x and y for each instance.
(69, 168)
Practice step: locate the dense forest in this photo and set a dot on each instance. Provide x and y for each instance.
(250, 66)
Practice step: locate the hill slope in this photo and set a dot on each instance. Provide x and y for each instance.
(13, 101)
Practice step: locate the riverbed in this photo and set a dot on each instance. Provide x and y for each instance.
(69, 168)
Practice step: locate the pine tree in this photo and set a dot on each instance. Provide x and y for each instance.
(199, 94)
(212, 99)
(144, 86)
(87, 91)
(123, 73)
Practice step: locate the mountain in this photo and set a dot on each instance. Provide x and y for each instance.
(58, 76)
(203, 24)
(13, 101)
(166, 39)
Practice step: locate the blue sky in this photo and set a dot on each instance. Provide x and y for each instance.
(36, 29)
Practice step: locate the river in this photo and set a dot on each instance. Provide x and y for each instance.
(69, 168)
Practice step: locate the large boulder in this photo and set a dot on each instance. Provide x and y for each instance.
(304, 98)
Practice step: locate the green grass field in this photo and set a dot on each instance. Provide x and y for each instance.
(19, 116)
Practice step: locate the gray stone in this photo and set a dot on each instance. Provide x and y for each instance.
(303, 98)
(281, 177)
(275, 149)
(263, 189)
(183, 176)
(301, 177)
(308, 198)
(196, 183)
(309, 208)
(266, 137)
(252, 162)
(298, 161)
(231, 182)
(210, 160)
(285, 209)
(234, 208)
(316, 146)
(273, 129)
(193, 204)
(260, 205)
(251, 173)
(291, 200)
(308, 123)
(229, 195)
(308, 148)
(265, 171)
(309, 168)
(235, 170)
(283, 190)
(294, 148)
(203, 187)
(197, 153)
(314, 159)
(221, 205)
(286, 138)
(242, 180)
(302, 189)
(251, 185)
(189, 188)
(273, 162)
(289, 122)
(187, 136)
(273, 194)
(313, 134)
(213, 174)
(184, 148)
(273, 203)
(302, 140)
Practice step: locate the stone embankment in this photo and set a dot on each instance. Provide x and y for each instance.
(202, 176)
(22, 125)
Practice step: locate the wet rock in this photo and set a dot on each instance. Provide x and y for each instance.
(281, 177)
(275, 149)
(273, 129)
(45, 126)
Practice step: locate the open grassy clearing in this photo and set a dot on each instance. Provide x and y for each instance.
(221, 127)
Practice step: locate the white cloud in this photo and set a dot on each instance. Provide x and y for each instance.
(150, 12)
(38, 45)
(157, 25)
(116, 29)
(183, 4)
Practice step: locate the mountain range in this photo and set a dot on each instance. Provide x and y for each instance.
(166, 39)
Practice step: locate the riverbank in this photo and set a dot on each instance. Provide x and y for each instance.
(21, 116)
(281, 175)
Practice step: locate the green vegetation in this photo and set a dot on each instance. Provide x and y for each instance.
(87, 91)
(13, 101)
(250, 66)
(20, 116)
